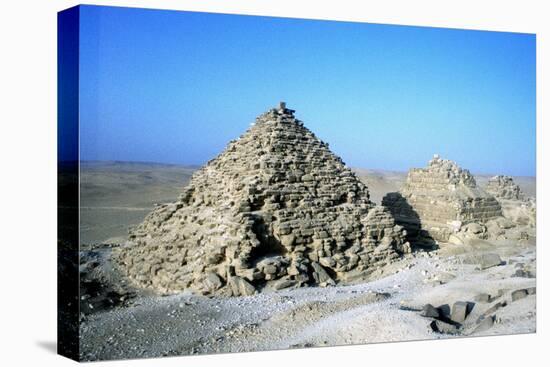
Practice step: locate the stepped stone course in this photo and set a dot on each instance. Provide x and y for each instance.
(438, 200)
(504, 187)
(275, 209)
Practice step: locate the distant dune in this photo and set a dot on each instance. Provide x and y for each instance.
(380, 182)
(116, 195)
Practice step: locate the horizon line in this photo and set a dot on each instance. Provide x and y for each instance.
(201, 165)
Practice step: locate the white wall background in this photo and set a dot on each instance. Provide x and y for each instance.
(28, 180)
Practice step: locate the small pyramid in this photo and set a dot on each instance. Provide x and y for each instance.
(275, 209)
(439, 199)
(504, 187)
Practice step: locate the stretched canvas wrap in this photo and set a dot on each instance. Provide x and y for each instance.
(231, 183)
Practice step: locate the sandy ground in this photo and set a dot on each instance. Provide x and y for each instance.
(129, 323)
(378, 311)
(116, 195)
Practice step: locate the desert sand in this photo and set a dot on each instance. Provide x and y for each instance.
(116, 195)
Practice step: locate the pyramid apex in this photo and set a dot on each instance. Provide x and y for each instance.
(283, 110)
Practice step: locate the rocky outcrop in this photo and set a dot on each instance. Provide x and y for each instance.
(504, 187)
(275, 209)
(438, 200)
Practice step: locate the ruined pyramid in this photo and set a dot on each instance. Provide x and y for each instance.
(504, 187)
(275, 209)
(438, 200)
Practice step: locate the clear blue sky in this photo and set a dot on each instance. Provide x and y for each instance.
(175, 87)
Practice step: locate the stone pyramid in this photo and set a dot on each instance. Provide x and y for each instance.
(275, 209)
(504, 187)
(436, 201)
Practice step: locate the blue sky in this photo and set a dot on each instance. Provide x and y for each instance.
(175, 87)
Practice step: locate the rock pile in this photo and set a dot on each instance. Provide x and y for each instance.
(276, 209)
(516, 206)
(438, 200)
(504, 187)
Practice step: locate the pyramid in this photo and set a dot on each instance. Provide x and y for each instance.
(504, 187)
(437, 200)
(276, 209)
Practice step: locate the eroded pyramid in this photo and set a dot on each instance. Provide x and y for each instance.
(439, 199)
(504, 187)
(275, 209)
